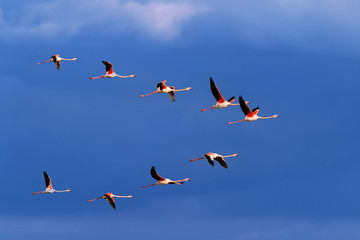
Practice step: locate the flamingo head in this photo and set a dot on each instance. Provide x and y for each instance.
(132, 75)
(235, 155)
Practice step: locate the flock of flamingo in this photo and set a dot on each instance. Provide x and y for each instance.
(250, 116)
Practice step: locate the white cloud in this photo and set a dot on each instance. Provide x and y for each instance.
(160, 19)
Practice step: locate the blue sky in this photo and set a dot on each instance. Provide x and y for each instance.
(296, 176)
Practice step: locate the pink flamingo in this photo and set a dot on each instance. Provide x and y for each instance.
(110, 198)
(162, 88)
(164, 181)
(250, 116)
(221, 102)
(49, 188)
(56, 59)
(214, 156)
(110, 73)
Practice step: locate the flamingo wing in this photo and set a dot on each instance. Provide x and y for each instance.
(57, 64)
(47, 181)
(161, 86)
(108, 67)
(244, 107)
(215, 91)
(231, 99)
(210, 160)
(172, 94)
(110, 200)
(221, 161)
(155, 175)
(255, 111)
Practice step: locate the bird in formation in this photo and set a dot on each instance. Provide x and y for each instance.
(109, 197)
(214, 156)
(49, 188)
(162, 88)
(221, 102)
(250, 116)
(164, 181)
(57, 60)
(110, 72)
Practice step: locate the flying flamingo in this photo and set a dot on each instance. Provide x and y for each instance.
(214, 156)
(250, 116)
(164, 181)
(162, 88)
(221, 102)
(110, 198)
(49, 188)
(110, 73)
(56, 59)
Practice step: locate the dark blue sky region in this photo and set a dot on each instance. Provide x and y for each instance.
(295, 178)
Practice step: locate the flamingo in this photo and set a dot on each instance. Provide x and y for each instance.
(110, 198)
(221, 102)
(110, 73)
(214, 156)
(250, 116)
(49, 188)
(162, 88)
(56, 59)
(164, 181)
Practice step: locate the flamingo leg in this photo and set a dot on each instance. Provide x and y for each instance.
(196, 159)
(149, 185)
(207, 109)
(94, 199)
(149, 94)
(236, 121)
(96, 77)
(35, 193)
(45, 62)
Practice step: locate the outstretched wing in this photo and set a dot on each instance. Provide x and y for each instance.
(155, 175)
(161, 85)
(244, 107)
(215, 91)
(255, 111)
(172, 94)
(47, 181)
(231, 99)
(210, 160)
(110, 200)
(221, 161)
(108, 66)
(57, 64)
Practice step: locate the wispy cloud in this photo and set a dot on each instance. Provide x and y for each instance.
(159, 19)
